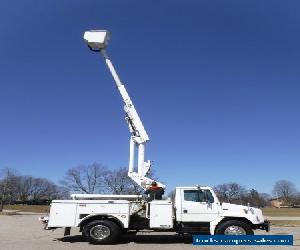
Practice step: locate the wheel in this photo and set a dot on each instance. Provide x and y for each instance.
(234, 227)
(102, 232)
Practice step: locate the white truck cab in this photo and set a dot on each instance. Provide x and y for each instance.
(200, 204)
(103, 218)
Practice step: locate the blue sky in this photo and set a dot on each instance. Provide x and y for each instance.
(216, 84)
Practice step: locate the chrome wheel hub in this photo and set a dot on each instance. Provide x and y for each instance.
(100, 232)
(235, 230)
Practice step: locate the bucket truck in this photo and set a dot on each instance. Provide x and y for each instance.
(102, 219)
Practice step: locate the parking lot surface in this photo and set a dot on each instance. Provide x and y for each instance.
(25, 232)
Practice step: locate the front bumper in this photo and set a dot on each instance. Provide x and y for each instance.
(263, 226)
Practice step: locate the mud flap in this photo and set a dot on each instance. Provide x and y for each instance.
(67, 231)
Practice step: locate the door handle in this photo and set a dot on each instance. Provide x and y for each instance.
(185, 211)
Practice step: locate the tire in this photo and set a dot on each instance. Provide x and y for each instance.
(234, 227)
(102, 232)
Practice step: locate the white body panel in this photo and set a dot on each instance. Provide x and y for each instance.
(62, 214)
(199, 211)
(161, 214)
(69, 213)
(252, 214)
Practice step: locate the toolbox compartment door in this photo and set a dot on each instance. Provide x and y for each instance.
(62, 214)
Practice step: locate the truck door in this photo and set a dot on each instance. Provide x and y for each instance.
(198, 205)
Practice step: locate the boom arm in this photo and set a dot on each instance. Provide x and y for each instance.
(134, 122)
(139, 136)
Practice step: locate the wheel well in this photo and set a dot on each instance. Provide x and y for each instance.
(100, 217)
(235, 218)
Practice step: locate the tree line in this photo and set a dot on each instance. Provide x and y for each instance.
(235, 193)
(96, 178)
(86, 179)
(15, 188)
